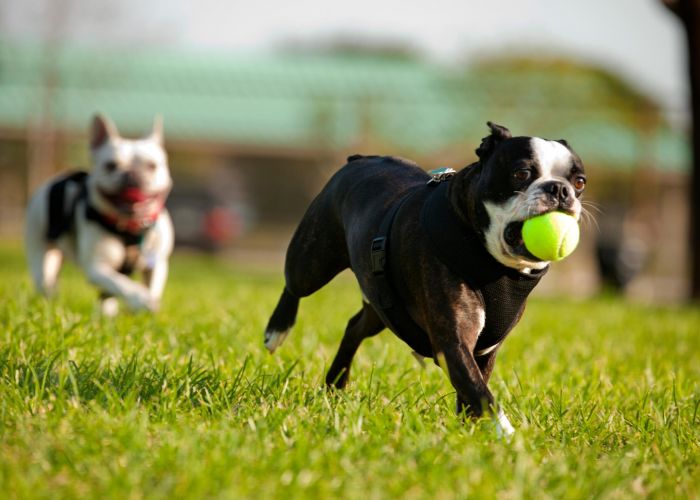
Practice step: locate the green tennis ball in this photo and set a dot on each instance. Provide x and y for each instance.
(551, 236)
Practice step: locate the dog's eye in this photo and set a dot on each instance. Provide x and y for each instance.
(151, 166)
(110, 166)
(522, 175)
(579, 183)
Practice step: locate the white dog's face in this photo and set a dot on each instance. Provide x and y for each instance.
(129, 177)
(523, 177)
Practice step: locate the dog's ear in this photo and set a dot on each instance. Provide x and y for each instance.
(489, 143)
(101, 130)
(157, 130)
(563, 141)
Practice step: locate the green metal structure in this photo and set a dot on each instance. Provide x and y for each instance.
(330, 101)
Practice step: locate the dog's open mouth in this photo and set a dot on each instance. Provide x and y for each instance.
(130, 199)
(513, 236)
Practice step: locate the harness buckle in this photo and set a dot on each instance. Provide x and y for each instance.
(378, 255)
(439, 175)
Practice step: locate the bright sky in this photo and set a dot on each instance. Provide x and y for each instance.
(638, 39)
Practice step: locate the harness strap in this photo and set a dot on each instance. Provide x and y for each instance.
(390, 310)
(379, 249)
(129, 238)
(60, 217)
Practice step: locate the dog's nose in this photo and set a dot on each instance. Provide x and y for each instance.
(559, 191)
(130, 179)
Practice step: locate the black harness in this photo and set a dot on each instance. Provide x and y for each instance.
(390, 310)
(503, 290)
(62, 218)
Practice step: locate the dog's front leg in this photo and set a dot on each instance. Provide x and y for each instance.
(473, 395)
(156, 277)
(113, 283)
(156, 251)
(100, 255)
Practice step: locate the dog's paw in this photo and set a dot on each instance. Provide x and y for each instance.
(142, 301)
(504, 429)
(109, 307)
(274, 339)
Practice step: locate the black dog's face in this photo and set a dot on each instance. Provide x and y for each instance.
(522, 177)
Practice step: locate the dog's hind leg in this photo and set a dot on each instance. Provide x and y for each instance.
(44, 257)
(45, 264)
(281, 321)
(364, 324)
(316, 254)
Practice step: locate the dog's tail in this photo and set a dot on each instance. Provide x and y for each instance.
(281, 321)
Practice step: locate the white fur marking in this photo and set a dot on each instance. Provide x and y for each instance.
(274, 339)
(503, 427)
(481, 319)
(516, 209)
(484, 352)
(553, 158)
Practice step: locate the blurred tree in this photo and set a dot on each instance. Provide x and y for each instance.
(688, 11)
(530, 84)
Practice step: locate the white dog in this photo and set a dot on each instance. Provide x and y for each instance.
(111, 222)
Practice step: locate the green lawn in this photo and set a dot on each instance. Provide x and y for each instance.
(605, 397)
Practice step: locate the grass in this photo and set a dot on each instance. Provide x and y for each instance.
(604, 396)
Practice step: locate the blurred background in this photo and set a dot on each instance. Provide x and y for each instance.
(262, 101)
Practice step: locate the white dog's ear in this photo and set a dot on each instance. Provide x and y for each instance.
(157, 131)
(101, 130)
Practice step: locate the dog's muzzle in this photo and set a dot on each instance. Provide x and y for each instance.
(513, 236)
(131, 199)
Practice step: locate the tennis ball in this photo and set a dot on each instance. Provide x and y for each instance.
(551, 236)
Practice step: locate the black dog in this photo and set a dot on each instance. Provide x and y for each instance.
(440, 260)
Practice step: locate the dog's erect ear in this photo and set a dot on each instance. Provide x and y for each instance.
(488, 144)
(101, 130)
(563, 141)
(157, 131)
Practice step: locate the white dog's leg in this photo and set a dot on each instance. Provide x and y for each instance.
(156, 253)
(53, 259)
(44, 259)
(156, 278)
(100, 255)
(45, 264)
(136, 295)
(36, 253)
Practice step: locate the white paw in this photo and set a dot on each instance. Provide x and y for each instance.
(504, 429)
(274, 339)
(109, 307)
(142, 301)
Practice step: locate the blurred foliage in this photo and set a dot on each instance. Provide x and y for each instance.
(566, 83)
